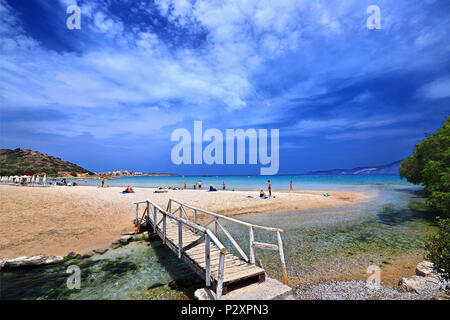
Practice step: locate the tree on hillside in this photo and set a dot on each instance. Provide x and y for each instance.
(430, 165)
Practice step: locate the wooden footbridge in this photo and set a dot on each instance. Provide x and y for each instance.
(200, 247)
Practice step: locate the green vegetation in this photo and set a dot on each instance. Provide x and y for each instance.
(19, 162)
(430, 165)
(439, 248)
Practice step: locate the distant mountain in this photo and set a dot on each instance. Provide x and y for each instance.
(19, 162)
(391, 168)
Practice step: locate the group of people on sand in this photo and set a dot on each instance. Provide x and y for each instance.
(211, 187)
(262, 194)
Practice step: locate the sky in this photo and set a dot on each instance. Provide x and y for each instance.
(109, 95)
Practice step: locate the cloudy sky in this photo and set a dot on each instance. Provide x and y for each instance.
(108, 96)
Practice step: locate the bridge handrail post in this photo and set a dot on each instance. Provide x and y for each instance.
(219, 287)
(148, 212)
(180, 238)
(207, 261)
(252, 249)
(154, 217)
(195, 216)
(216, 227)
(283, 264)
(137, 212)
(164, 228)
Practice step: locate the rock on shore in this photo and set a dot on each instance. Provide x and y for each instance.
(426, 279)
(30, 261)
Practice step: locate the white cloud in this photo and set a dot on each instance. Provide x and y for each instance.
(437, 89)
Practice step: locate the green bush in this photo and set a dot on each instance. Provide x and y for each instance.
(438, 248)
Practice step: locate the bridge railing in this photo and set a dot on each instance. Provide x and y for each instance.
(151, 213)
(251, 227)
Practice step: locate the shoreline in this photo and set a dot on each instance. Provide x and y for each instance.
(58, 220)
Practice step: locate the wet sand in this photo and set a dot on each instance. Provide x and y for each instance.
(57, 220)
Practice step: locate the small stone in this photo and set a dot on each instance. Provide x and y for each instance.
(87, 254)
(424, 268)
(72, 254)
(100, 250)
(125, 239)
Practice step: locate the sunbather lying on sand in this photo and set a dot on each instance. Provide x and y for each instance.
(128, 189)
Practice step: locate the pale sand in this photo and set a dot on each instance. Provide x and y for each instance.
(57, 220)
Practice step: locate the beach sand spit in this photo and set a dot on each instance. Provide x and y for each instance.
(57, 220)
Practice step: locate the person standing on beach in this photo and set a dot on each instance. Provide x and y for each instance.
(290, 185)
(103, 182)
(223, 185)
(195, 186)
(199, 184)
(185, 185)
(270, 188)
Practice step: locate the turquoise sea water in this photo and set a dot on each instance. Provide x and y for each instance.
(300, 182)
(319, 244)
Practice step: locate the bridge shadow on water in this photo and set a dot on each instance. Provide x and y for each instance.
(184, 280)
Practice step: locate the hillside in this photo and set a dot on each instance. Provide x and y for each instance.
(391, 168)
(18, 162)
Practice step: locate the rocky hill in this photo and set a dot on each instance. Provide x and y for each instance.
(18, 162)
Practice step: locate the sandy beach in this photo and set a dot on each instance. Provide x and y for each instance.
(57, 220)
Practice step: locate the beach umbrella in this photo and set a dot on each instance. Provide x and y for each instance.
(37, 179)
(44, 180)
(33, 179)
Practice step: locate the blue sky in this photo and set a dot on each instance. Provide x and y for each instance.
(109, 96)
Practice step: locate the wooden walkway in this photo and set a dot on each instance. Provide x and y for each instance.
(201, 249)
